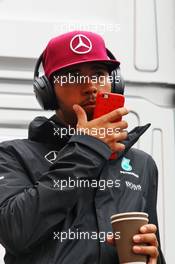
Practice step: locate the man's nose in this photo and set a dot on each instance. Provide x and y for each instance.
(90, 88)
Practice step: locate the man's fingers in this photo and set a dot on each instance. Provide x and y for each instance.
(115, 115)
(81, 115)
(110, 240)
(149, 228)
(152, 261)
(149, 238)
(118, 147)
(115, 142)
(117, 126)
(146, 250)
(120, 136)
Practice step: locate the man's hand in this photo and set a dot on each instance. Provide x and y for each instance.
(148, 236)
(106, 122)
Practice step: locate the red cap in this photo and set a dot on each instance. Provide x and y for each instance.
(73, 48)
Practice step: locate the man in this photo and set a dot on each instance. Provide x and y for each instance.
(53, 206)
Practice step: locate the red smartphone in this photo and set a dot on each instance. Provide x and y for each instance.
(106, 103)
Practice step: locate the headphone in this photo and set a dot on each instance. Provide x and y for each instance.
(45, 93)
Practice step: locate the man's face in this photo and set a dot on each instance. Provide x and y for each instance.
(79, 84)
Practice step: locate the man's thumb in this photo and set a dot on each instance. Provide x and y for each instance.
(81, 115)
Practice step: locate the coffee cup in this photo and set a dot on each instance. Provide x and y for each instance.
(125, 226)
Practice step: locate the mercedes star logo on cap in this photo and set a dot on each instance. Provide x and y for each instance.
(83, 41)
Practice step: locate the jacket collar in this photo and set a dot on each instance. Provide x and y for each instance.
(133, 137)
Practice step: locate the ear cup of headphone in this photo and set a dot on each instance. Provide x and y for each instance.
(45, 93)
(118, 83)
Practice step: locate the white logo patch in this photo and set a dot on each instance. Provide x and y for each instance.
(51, 156)
(83, 41)
(132, 186)
(130, 173)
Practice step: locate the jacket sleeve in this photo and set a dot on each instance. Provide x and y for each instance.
(28, 212)
(151, 206)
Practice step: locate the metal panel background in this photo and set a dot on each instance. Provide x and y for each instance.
(140, 32)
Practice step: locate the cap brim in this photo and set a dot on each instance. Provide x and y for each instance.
(112, 64)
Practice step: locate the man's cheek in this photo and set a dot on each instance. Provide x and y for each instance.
(106, 88)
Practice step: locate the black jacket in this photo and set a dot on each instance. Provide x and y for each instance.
(38, 208)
